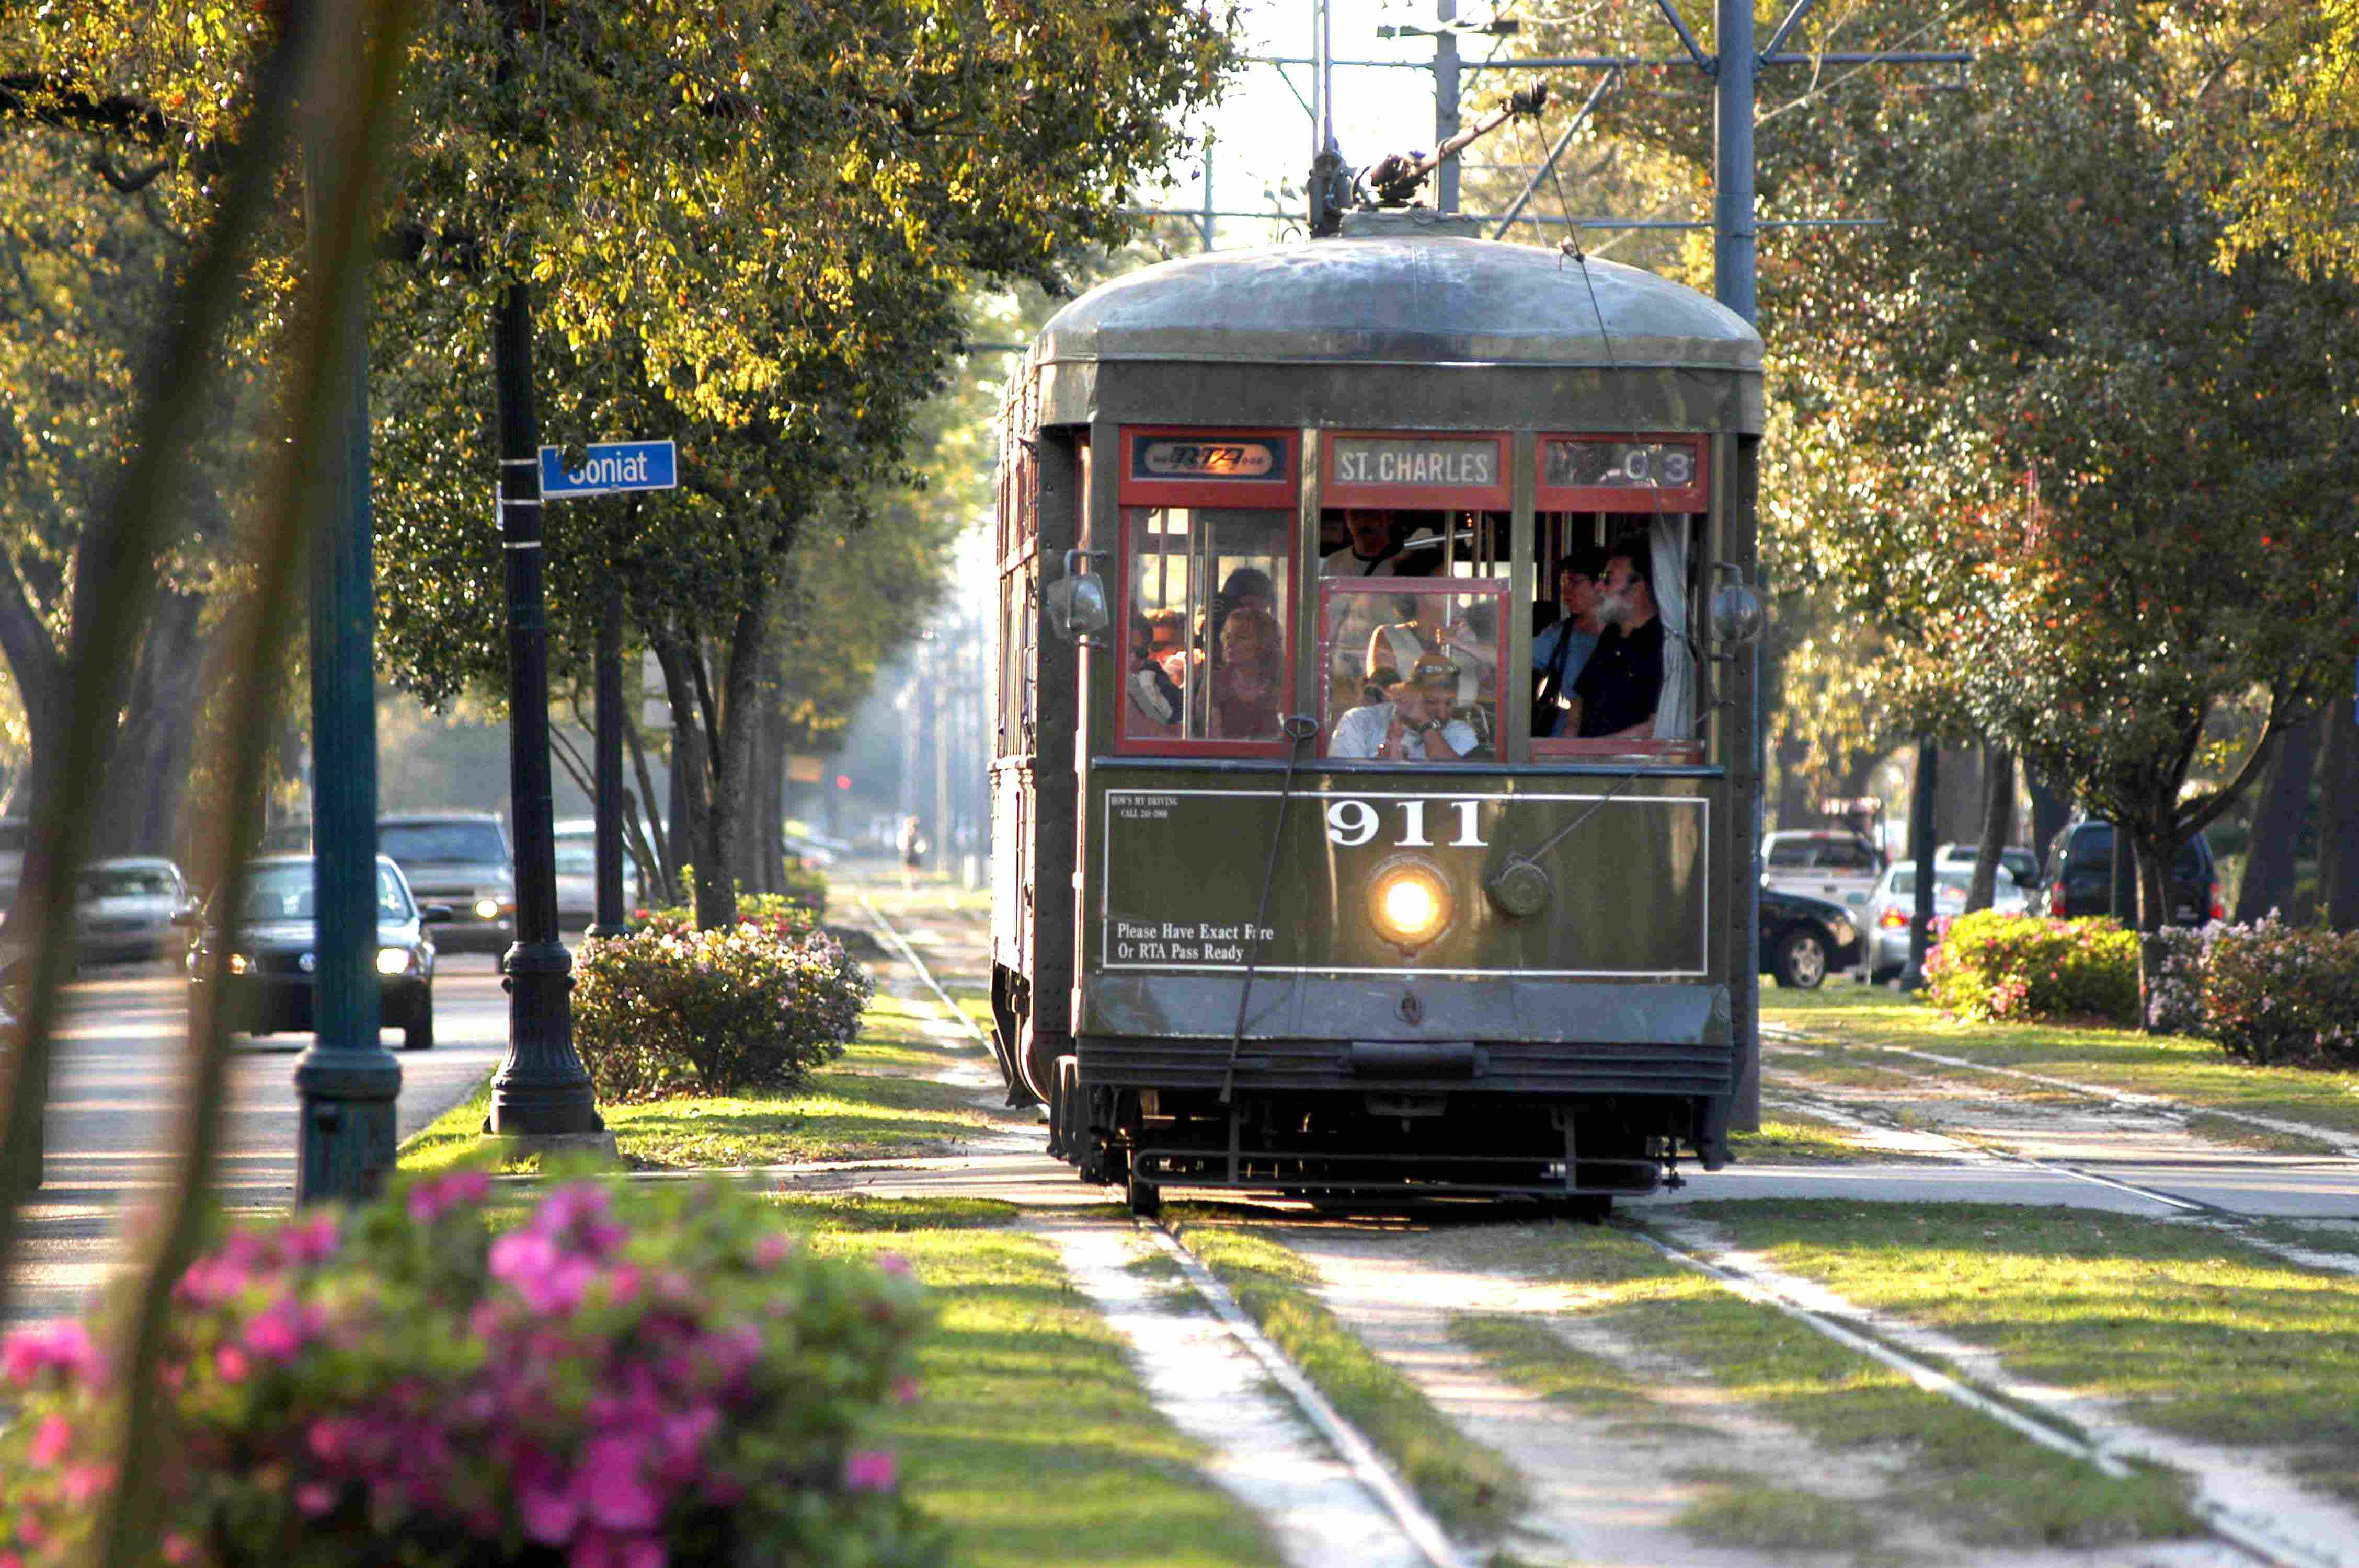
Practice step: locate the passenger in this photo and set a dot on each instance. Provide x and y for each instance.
(1618, 690)
(1154, 698)
(1425, 627)
(1375, 546)
(1248, 672)
(1414, 726)
(1248, 586)
(1560, 653)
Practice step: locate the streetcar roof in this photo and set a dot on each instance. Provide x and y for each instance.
(1397, 300)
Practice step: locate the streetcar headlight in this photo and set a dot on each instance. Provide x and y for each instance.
(239, 962)
(1410, 905)
(392, 960)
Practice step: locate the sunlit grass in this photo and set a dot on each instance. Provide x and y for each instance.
(1798, 1138)
(1032, 1438)
(2200, 1334)
(1472, 1489)
(2191, 1070)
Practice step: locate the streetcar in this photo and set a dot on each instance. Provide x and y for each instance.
(1305, 879)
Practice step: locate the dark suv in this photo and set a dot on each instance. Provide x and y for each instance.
(461, 859)
(2081, 877)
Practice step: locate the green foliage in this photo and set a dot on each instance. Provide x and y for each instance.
(630, 1375)
(2271, 994)
(661, 1013)
(1994, 967)
(805, 889)
(2291, 132)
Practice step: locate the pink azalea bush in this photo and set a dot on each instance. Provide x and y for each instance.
(781, 916)
(1992, 967)
(2270, 994)
(662, 1010)
(629, 1379)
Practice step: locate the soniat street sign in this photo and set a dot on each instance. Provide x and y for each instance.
(612, 466)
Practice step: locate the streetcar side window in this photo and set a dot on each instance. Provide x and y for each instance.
(1409, 669)
(1207, 647)
(1623, 678)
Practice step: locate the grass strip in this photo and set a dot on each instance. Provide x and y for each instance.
(1033, 1438)
(2197, 1333)
(1736, 1508)
(1472, 1489)
(2195, 1072)
(873, 1102)
(1798, 1138)
(1986, 1485)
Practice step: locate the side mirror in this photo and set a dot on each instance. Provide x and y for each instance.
(1077, 606)
(436, 914)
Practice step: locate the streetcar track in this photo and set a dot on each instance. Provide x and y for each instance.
(2256, 1538)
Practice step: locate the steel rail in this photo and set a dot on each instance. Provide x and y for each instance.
(1358, 1455)
(2253, 1537)
(908, 956)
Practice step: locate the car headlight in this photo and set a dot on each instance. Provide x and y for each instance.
(392, 960)
(1410, 905)
(239, 962)
(488, 907)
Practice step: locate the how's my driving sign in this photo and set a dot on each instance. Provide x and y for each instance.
(611, 467)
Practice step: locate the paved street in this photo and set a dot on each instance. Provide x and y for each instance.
(114, 1099)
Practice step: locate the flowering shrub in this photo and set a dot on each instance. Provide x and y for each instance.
(661, 1011)
(778, 916)
(2174, 997)
(629, 1380)
(1991, 967)
(2279, 994)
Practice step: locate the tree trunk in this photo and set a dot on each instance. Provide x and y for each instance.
(691, 776)
(2338, 821)
(1958, 803)
(150, 763)
(2279, 814)
(2154, 911)
(739, 722)
(1998, 824)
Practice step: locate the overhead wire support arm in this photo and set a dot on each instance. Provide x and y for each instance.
(1768, 50)
(1564, 140)
(1703, 61)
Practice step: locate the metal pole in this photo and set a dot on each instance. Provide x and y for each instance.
(346, 1081)
(540, 1087)
(1445, 102)
(1209, 214)
(1733, 259)
(1920, 850)
(608, 765)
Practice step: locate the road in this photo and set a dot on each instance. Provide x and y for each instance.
(114, 1099)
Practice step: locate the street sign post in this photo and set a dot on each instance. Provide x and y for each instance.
(610, 468)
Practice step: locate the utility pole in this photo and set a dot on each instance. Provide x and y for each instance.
(346, 1081)
(1445, 102)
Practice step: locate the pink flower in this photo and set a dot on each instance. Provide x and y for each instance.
(51, 1439)
(314, 1240)
(905, 1391)
(772, 1250)
(602, 1549)
(178, 1549)
(230, 1364)
(315, 1498)
(429, 1200)
(83, 1482)
(550, 1511)
(870, 1469)
(892, 1262)
(62, 1346)
(282, 1331)
(614, 1491)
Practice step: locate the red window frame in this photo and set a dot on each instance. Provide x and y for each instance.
(1124, 742)
(1690, 497)
(1492, 588)
(1496, 497)
(1217, 494)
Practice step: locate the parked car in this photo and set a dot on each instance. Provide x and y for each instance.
(269, 970)
(808, 851)
(577, 873)
(1833, 863)
(1894, 904)
(127, 907)
(461, 859)
(2022, 863)
(1803, 939)
(2080, 876)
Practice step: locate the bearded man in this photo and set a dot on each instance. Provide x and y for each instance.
(1616, 698)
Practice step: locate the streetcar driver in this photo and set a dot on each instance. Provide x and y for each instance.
(1414, 725)
(1375, 546)
(1616, 698)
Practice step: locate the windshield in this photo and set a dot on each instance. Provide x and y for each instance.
(576, 857)
(128, 881)
(285, 893)
(443, 843)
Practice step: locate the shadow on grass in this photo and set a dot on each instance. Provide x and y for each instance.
(843, 1115)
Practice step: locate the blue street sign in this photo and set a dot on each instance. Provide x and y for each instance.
(612, 466)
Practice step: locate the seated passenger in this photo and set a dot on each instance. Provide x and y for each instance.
(1620, 687)
(1155, 696)
(1247, 586)
(1469, 641)
(1247, 673)
(1414, 726)
(1562, 652)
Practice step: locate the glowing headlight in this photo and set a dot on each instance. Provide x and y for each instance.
(392, 960)
(239, 962)
(487, 909)
(1410, 905)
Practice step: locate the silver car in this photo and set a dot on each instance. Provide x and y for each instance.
(123, 908)
(1894, 904)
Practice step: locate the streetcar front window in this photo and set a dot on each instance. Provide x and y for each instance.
(1207, 649)
(1409, 669)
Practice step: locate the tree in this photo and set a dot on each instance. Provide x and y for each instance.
(2283, 127)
